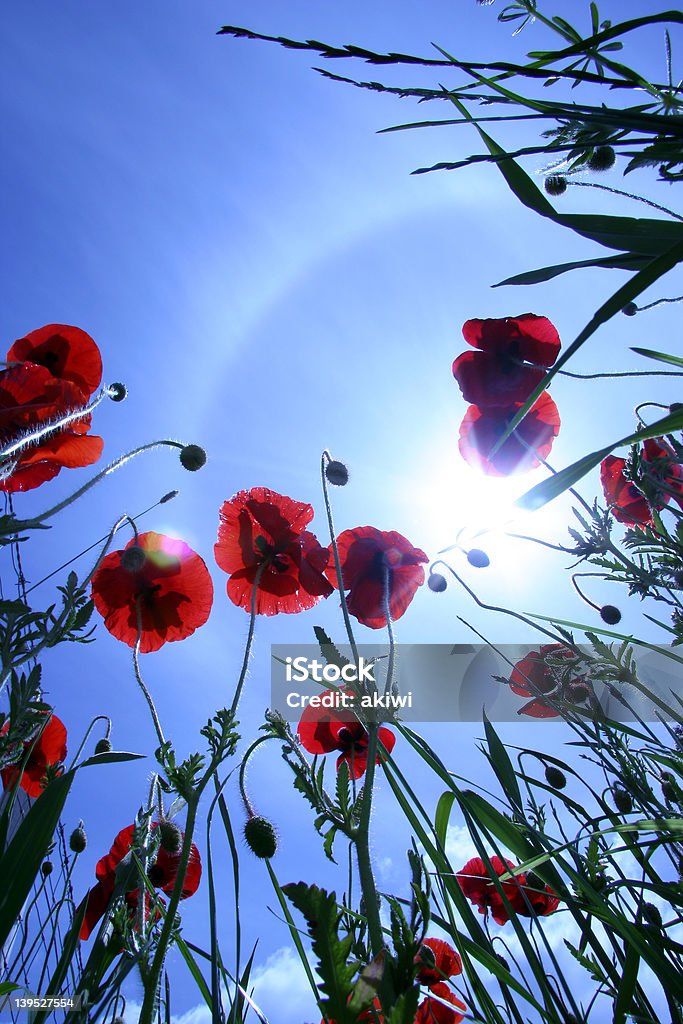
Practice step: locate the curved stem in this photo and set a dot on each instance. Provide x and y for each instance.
(141, 684)
(250, 640)
(147, 1013)
(26, 524)
(335, 552)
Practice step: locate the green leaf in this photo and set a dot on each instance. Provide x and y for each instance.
(20, 862)
(544, 492)
(111, 757)
(322, 917)
(662, 357)
(626, 261)
(623, 1004)
(502, 765)
(442, 816)
(505, 830)
(193, 968)
(61, 971)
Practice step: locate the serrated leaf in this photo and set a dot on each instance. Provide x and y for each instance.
(321, 912)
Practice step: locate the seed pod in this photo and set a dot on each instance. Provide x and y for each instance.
(555, 778)
(192, 457)
(651, 915)
(555, 184)
(133, 558)
(261, 837)
(622, 799)
(337, 473)
(78, 839)
(478, 558)
(437, 582)
(610, 614)
(602, 158)
(171, 837)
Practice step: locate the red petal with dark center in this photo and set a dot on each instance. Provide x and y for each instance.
(67, 352)
(527, 337)
(489, 380)
(173, 591)
(370, 559)
(263, 532)
(628, 504)
(481, 429)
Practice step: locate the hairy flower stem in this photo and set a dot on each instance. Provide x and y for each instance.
(362, 841)
(243, 769)
(140, 681)
(47, 429)
(250, 640)
(149, 1004)
(27, 524)
(325, 458)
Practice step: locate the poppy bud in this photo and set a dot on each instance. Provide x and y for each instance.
(555, 184)
(425, 957)
(192, 457)
(133, 558)
(651, 914)
(168, 497)
(170, 836)
(261, 837)
(103, 746)
(78, 839)
(478, 558)
(337, 473)
(555, 778)
(602, 158)
(118, 1020)
(630, 309)
(622, 799)
(117, 392)
(577, 693)
(437, 582)
(669, 789)
(46, 868)
(610, 614)
(502, 961)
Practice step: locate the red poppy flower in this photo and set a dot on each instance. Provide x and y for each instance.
(475, 881)
(30, 397)
(481, 429)
(162, 874)
(543, 672)
(525, 894)
(443, 962)
(372, 560)
(440, 1007)
(161, 577)
(67, 352)
(511, 359)
(629, 504)
(322, 730)
(264, 533)
(49, 750)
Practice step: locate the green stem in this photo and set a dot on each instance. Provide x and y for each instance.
(362, 841)
(250, 640)
(148, 1011)
(335, 552)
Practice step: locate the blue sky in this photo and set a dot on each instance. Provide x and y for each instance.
(261, 270)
